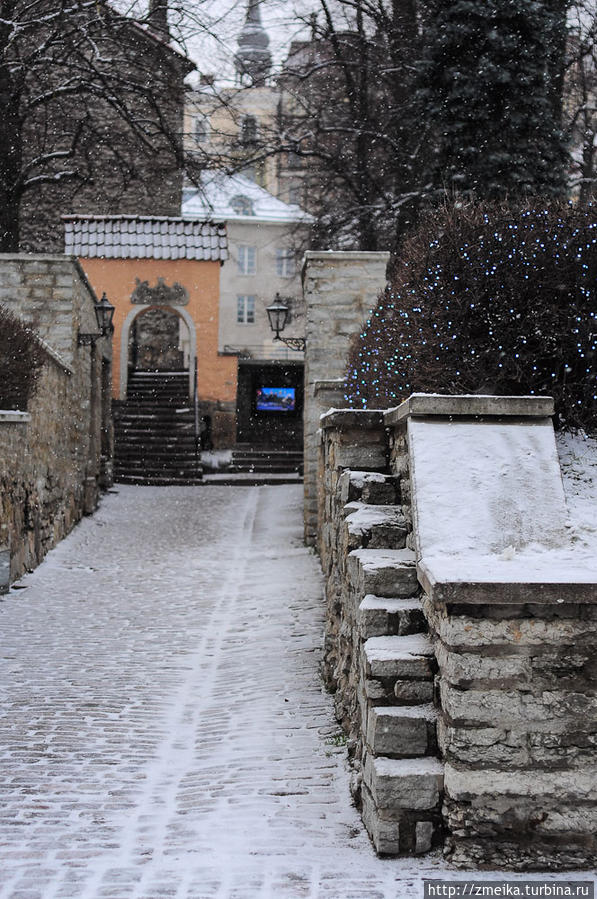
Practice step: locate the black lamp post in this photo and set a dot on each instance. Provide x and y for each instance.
(279, 316)
(104, 313)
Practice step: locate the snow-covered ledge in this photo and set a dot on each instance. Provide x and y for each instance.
(511, 604)
(8, 416)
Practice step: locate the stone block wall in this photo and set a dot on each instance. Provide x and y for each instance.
(473, 702)
(339, 290)
(55, 457)
(378, 659)
(518, 732)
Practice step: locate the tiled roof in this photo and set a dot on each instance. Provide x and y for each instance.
(144, 237)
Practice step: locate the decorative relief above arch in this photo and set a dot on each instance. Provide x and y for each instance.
(160, 295)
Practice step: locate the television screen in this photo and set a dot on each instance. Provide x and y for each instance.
(275, 399)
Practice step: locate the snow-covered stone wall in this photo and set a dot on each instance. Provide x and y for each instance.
(459, 661)
(55, 456)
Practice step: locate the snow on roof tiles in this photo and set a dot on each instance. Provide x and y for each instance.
(144, 237)
(218, 194)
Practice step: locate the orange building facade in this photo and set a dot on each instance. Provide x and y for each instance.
(144, 264)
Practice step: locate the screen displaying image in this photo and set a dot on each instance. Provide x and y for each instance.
(275, 399)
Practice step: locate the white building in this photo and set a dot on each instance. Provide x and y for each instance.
(266, 239)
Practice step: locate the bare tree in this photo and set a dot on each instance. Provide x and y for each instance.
(580, 99)
(91, 107)
(347, 112)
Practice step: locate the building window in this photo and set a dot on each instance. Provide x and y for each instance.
(248, 129)
(247, 260)
(242, 205)
(201, 130)
(245, 310)
(285, 266)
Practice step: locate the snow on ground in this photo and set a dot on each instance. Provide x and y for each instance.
(490, 504)
(578, 461)
(163, 728)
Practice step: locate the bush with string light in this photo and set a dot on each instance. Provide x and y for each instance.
(488, 300)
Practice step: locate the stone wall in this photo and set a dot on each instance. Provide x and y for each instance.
(485, 689)
(58, 456)
(378, 659)
(339, 291)
(120, 168)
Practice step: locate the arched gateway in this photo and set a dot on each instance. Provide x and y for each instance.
(173, 266)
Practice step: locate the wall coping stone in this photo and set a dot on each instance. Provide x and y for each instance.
(327, 256)
(576, 587)
(331, 384)
(54, 356)
(8, 416)
(352, 418)
(471, 405)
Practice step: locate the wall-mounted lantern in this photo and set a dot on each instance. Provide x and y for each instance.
(279, 316)
(104, 313)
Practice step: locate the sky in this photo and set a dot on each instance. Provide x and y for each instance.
(213, 52)
(212, 27)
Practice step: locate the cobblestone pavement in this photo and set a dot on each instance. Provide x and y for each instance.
(164, 732)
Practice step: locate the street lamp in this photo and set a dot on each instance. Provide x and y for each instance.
(104, 313)
(279, 316)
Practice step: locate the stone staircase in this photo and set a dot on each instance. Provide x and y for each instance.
(154, 432)
(385, 658)
(247, 459)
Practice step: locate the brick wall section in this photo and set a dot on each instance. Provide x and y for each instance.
(339, 290)
(53, 465)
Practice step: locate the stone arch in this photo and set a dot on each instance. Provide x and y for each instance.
(124, 343)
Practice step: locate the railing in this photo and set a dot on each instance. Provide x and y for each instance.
(197, 428)
(261, 353)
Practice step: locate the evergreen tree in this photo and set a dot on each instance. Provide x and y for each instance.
(491, 82)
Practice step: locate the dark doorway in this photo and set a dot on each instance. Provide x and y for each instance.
(156, 341)
(270, 404)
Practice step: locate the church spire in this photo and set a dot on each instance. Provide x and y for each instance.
(253, 59)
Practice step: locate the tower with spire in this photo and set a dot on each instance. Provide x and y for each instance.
(253, 59)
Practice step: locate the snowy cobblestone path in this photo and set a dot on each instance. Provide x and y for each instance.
(164, 732)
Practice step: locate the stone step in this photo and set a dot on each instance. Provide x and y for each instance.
(264, 469)
(414, 784)
(178, 470)
(401, 801)
(380, 616)
(409, 657)
(369, 487)
(402, 731)
(374, 527)
(158, 480)
(383, 572)
(151, 438)
(166, 453)
(153, 410)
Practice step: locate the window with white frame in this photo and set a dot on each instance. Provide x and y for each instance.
(245, 310)
(247, 260)
(285, 265)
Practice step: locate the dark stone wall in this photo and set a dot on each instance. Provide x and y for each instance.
(128, 158)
